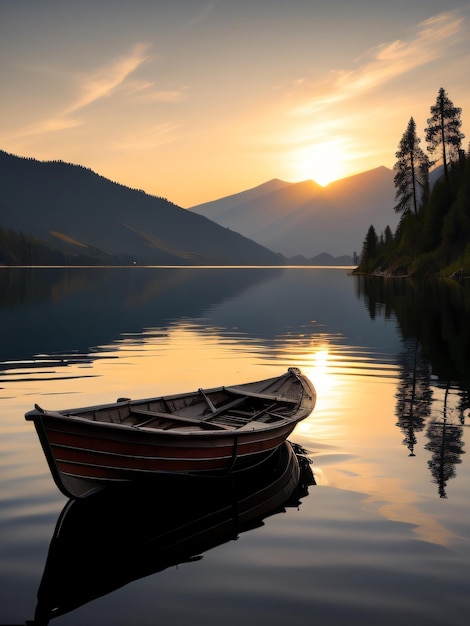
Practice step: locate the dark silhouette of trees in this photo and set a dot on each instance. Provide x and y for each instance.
(446, 445)
(414, 395)
(388, 235)
(369, 248)
(21, 249)
(433, 235)
(444, 130)
(412, 172)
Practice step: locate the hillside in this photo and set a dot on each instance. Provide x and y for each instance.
(307, 219)
(433, 242)
(76, 210)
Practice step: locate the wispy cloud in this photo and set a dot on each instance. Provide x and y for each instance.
(105, 80)
(383, 64)
(147, 93)
(166, 96)
(50, 125)
(202, 14)
(149, 138)
(101, 83)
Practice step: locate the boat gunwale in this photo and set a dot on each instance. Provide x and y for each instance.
(306, 385)
(70, 416)
(244, 430)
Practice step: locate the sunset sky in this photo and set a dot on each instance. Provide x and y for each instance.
(198, 99)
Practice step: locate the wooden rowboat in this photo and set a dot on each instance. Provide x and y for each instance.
(205, 432)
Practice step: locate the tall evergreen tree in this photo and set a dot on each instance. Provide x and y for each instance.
(388, 235)
(412, 172)
(444, 130)
(369, 250)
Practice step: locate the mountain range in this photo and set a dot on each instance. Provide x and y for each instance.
(72, 209)
(86, 216)
(304, 219)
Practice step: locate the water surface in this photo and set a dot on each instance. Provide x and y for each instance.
(383, 534)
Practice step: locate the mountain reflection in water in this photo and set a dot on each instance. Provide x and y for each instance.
(52, 309)
(106, 541)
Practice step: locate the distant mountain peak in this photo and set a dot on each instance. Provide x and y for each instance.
(306, 219)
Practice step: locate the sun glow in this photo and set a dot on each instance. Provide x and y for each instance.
(322, 162)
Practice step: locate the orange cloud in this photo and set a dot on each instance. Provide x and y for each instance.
(104, 80)
(384, 63)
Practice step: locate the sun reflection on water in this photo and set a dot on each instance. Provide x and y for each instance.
(355, 407)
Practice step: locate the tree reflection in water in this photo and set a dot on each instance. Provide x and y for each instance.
(414, 395)
(432, 317)
(446, 445)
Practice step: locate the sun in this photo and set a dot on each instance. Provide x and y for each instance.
(323, 162)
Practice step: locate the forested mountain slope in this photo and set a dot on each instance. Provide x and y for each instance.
(76, 210)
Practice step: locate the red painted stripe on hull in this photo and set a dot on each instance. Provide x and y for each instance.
(108, 467)
(132, 450)
(144, 464)
(186, 459)
(116, 473)
(183, 447)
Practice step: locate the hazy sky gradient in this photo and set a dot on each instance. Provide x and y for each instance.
(197, 99)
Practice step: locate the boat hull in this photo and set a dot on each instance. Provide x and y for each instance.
(98, 456)
(84, 455)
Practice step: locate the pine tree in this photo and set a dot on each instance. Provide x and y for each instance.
(412, 172)
(369, 250)
(444, 130)
(388, 235)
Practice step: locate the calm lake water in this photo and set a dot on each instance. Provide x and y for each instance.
(381, 535)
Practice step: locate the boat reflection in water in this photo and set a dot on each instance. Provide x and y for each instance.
(113, 537)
